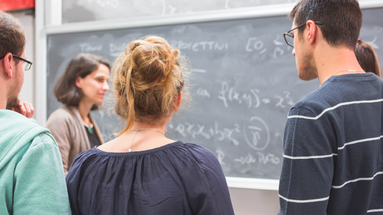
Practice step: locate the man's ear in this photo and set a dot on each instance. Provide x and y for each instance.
(117, 94)
(312, 31)
(8, 65)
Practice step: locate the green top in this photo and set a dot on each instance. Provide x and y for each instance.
(31, 171)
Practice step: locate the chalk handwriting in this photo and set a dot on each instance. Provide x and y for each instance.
(195, 130)
(251, 98)
(254, 44)
(113, 48)
(229, 94)
(260, 158)
(220, 156)
(373, 43)
(200, 46)
(85, 47)
(257, 134)
(203, 92)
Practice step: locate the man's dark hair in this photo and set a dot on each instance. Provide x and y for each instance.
(341, 19)
(81, 65)
(12, 38)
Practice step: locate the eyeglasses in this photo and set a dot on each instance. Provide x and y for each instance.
(289, 38)
(26, 63)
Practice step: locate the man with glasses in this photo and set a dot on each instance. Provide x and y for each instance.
(31, 172)
(333, 154)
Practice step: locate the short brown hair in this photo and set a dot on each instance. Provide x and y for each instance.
(367, 58)
(341, 19)
(81, 65)
(148, 77)
(12, 38)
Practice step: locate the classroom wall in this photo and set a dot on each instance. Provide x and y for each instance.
(28, 21)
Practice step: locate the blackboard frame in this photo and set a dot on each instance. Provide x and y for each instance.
(41, 52)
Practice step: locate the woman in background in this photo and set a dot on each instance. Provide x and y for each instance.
(81, 89)
(142, 171)
(367, 58)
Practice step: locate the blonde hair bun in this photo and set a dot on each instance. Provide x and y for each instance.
(148, 77)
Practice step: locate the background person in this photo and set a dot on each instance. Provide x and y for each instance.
(142, 171)
(31, 176)
(367, 58)
(81, 88)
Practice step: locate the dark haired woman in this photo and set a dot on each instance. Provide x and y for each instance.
(142, 171)
(367, 58)
(81, 89)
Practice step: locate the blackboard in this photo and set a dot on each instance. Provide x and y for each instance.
(91, 10)
(244, 83)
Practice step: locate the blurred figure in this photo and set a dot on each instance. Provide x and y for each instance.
(81, 88)
(367, 58)
(31, 176)
(142, 171)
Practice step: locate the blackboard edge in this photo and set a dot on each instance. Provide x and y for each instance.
(252, 183)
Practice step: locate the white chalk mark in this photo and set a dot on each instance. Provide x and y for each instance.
(372, 43)
(227, 4)
(199, 70)
(266, 101)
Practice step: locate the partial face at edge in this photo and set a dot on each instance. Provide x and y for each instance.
(17, 82)
(303, 56)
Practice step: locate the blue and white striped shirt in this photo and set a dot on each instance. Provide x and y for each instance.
(333, 153)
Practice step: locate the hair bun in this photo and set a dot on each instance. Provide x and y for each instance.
(133, 45)
(148, 79)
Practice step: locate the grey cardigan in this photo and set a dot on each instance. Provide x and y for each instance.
(68, 129)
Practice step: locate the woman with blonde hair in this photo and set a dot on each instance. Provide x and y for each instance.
(367, 58)
(142, 171)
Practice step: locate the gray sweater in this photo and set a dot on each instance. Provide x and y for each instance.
(68, 129)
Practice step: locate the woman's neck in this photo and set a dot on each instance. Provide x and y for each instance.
(84, 109)
(145, 126)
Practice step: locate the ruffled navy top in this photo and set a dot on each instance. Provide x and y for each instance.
(175, 179)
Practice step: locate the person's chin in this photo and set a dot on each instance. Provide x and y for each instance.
(12, 102)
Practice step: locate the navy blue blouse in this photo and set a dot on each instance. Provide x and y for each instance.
(175, 179)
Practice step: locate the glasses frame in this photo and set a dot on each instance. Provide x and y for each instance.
(29, 64)
(288, 33)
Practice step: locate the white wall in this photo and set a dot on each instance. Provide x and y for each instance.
(27, 19)
(254, 202)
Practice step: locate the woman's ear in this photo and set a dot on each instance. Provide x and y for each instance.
(177, 101)
(117, 94)
(79, 82)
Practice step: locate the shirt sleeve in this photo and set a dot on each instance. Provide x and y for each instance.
(308, 163)
(60, 131)
(39, 180)
(206, 187)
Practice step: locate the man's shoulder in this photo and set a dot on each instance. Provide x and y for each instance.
(313, 102)
(44, 137)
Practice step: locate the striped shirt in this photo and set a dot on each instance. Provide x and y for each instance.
(333, 153)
